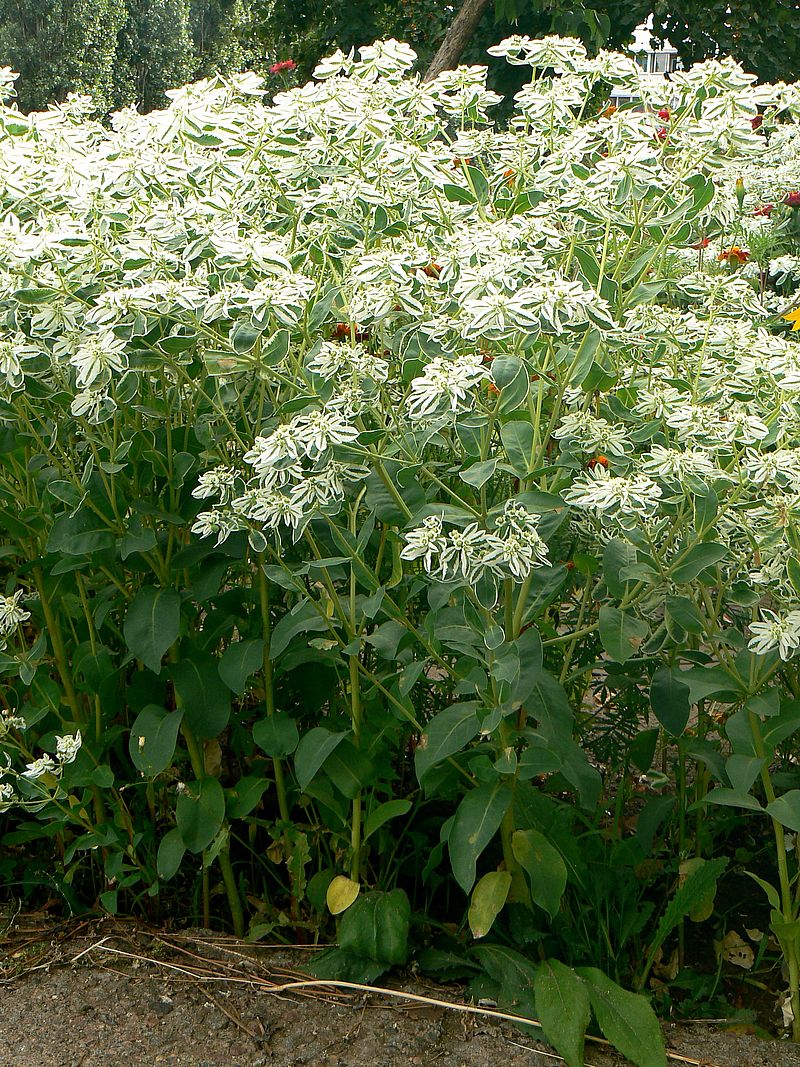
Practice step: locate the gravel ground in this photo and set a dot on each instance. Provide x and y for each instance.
(107, 1009)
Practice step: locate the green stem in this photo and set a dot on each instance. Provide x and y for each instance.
(234, 900)
(789, 946)
(355, 711)
(57, 644)
(269, 689)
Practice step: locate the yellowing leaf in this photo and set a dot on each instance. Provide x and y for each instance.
(733, 949)
(488, 898)
(341, 893)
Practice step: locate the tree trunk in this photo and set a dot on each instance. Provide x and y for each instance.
(457, 37)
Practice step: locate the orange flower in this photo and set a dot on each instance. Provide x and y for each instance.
(794, 318)
(734, 256)
(598, 461)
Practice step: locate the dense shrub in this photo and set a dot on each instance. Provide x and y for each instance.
(390, 500)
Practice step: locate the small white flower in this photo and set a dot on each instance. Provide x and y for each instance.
(67, 747)
(624, 499)
(96, 357)
(40, 767)
(11, 612)
(219, 482)
(444, 385)
(776, 632)
(425, 542)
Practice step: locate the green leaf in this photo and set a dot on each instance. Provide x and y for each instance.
(622, 634)
(690, 564)
(729, 798)
(786, 809)
(199, 813)
(239, 661)
(544, 866)
(446, 733)
(517, 438)
(206, 699)
(457, 194)
(80, 534)
(669, 699)
(694, 893)
(277, 735)
(488, 898)
(562, 1007)
(618, 555)
(349, 769)
(152, 624)
(245, 795)
(513, 974)
(376, 927)
(626, 1019)
(479, 473)
(684, 613)
(392, 809)
(152, 739)
(300, 620)
(312, 751)
(475, 823)
(171, 851)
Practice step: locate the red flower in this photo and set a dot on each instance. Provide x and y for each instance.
(792, 199)
(757, 121)
(285, 64)
(765, 210)
(662, 133)
(734, 256)
(664, 114)
(704, 242)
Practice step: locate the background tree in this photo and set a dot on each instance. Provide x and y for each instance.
(764, 35)
(61, 46)
(154, 52)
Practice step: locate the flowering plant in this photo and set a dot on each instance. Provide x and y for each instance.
(350, 431)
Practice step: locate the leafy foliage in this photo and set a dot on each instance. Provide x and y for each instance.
(361, 461)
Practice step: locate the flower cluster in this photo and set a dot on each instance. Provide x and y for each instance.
(513, 549)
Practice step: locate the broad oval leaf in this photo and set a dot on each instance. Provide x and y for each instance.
(562, 1007)
(199, 813)
(476, 821)
(152, 624)
(544, 866)
(488, 898)
(446, 733)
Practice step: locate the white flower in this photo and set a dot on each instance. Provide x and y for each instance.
(678, 464)
(96, 357)
(425, 542)
(67, 747)
(444, 385)
(219, 482)
(220, 522)
(40, 767)
(593, 434)
(322, 430)
(267, 452)
(777, 632)
(11, 612)
(624, 499)
(269, 508)
(7, 795)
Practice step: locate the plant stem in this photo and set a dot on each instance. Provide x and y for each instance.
(269, 689)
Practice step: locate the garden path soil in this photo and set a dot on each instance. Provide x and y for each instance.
(198, 1000)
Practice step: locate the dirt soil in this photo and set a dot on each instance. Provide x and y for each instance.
(112, 995)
